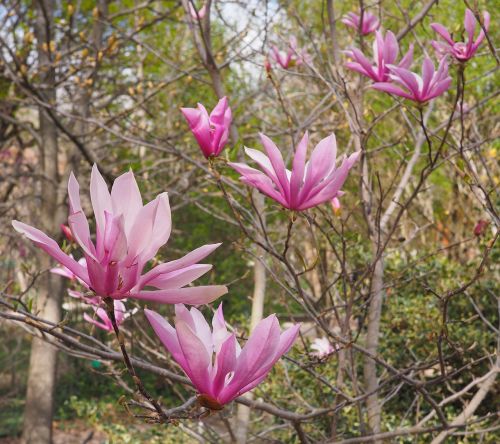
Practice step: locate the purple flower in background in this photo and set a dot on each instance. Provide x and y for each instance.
(460, 50)
(292, 57)
(105, 322)
(211, 131)
(197, 15)
(420, 89)
(370, 22)
(213, 360)
(308, 184)
(385, 52)
(322, 348)
(128, 236)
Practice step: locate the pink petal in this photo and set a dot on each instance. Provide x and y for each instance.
(101, 200)
(126, 199)
(427, 74)
(391, 89)
(179, 264)
(225, 363)
(41, 240)
(407, 60)
(197, 359)
(190, 295)
(167, 335)
(179, 278)
(297, 177)
(443, 32)
(276, 160)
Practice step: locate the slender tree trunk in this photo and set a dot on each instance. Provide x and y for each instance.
(372, 339)
(37, 428)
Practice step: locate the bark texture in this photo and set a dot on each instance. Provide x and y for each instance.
(38, 412)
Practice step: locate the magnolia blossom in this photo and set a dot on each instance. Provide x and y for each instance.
(197, 15)
(128, 236)
(385, 52)
(212, 358)
(370, 22)
(322, 347)
(292, 57)
(106, 323)
(460, 50)
(211, 132)
(420, 89)
(308, 184)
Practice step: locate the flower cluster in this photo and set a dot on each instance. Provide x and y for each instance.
(115, 262)
(398, 79)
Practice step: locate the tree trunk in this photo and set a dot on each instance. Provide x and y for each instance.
(370, 367)
(38, 412)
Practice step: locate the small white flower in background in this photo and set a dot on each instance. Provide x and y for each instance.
(322, 347)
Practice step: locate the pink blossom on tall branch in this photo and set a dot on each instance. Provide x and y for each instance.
(420, 89)
(212, 358)
(370, 22)
(292, 57)
(308, 184)
(460, 50)
(385, 52)
(197, 14)
(106, 323)
(128, 236)
(211, 132)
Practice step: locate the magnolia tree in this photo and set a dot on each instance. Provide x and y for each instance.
(353, 297)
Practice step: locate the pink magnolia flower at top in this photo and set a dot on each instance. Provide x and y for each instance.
(197, 14)
(460, 50)
(292, 57)
(105, 322)
(385, 52)
(212, 358)
(370, 22)
(420, 89)
(210, 131)
(308, 184)
(322, 347)
(128, 236)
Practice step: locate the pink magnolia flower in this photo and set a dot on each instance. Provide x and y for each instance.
(128, 236)
(211, 132)
(460, 50)
(370, 22)
(292, 57)
(308, 184)
(417, 88)
(106, 323)
(212, 358)
(197, 15)
(385, 52)
(322, 348)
